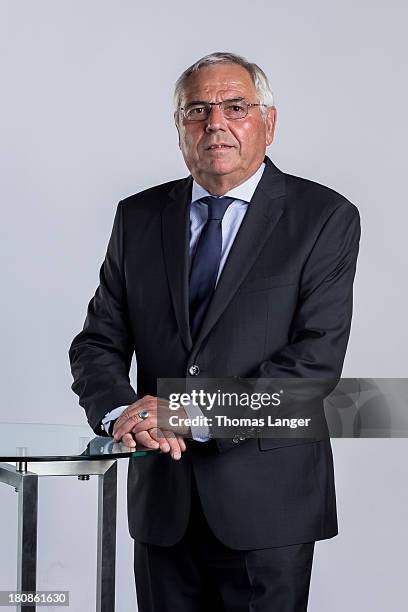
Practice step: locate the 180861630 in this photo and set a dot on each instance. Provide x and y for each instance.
(38, 598)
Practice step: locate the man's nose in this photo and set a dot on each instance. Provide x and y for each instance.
(216, 120)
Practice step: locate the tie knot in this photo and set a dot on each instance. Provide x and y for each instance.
(216, 206)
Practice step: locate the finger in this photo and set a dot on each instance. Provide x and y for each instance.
(128, 440)
(176, 443)
(126, 427)
(131, 415)
(182, 444)
(145, 439)
(145, 424)
(175, 450)
(158, 435)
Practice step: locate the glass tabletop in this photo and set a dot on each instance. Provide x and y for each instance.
(58, 442)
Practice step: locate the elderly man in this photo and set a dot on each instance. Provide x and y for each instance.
(238, 270)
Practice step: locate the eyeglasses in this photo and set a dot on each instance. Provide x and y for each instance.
(231, 109)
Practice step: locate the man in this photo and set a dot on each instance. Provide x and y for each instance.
(238, 270)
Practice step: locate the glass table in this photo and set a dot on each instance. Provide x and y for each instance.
(31, 450)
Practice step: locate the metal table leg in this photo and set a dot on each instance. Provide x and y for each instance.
(26, 484)
(27, 536)
(106, 545)
(25, 481)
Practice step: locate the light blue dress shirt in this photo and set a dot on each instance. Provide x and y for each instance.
(230, 225)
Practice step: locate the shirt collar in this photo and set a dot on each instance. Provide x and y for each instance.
(243, 192)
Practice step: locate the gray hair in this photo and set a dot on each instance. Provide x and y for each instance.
(259, 78)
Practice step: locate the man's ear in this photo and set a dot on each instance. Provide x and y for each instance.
(270, 122)
(177, 128)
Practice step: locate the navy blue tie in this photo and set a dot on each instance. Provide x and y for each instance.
(206, 261)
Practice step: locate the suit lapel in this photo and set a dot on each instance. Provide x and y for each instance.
(176, 239)
(263, 213)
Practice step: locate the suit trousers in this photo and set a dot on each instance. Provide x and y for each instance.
(199, 573)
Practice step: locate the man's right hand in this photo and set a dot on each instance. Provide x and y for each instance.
(155, 438)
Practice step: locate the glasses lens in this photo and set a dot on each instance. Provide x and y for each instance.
(196, 112)
(235, 110)
(232, 109)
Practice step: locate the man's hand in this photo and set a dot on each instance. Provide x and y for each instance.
(130, 428)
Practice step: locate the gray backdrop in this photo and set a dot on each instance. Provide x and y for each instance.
(86, 119)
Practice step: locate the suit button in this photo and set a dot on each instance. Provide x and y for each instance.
(235, 439)
(194, 370)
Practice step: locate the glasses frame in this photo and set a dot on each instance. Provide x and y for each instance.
(182, 109)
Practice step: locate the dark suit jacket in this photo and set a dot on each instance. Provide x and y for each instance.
(282, 309)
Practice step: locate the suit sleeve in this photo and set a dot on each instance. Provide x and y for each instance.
(101, 353)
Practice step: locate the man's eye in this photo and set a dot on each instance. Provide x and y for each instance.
(196, 110)
(235, 108)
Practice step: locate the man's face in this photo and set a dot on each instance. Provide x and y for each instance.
(245, 139)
